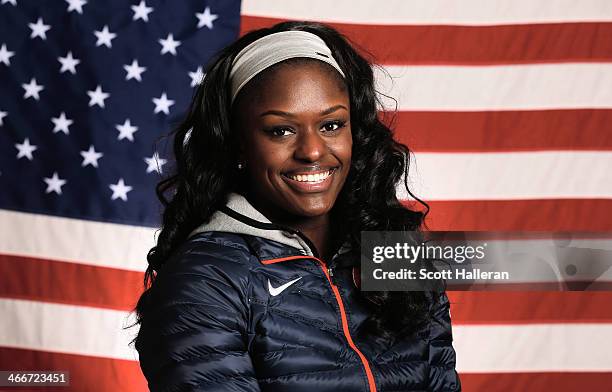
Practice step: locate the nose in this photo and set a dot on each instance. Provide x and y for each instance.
(310, 146)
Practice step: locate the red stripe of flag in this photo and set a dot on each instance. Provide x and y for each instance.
(69, 283)
(536, 382)
(473, 45)
(493, 131)
(520, 215)
(92, 374)
(520, 307)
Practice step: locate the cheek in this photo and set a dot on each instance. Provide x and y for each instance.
(343, 150)
(265, 158)
(343, 153)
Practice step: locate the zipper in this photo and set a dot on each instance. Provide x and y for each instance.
(345, 327)
(329, 273)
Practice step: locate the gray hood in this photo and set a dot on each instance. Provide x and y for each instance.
(222, 222)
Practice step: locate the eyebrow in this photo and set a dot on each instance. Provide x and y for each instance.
(287, 114)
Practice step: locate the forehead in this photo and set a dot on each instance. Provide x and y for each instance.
(294, 81)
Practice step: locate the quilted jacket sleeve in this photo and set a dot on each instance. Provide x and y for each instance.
(192, 338)
(442, 358)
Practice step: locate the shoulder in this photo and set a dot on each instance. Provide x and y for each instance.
(195, 317)
(205, 264)
(202, 251)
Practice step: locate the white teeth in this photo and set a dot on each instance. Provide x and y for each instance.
(319, 177)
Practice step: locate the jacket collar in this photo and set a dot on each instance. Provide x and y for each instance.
(240, 217)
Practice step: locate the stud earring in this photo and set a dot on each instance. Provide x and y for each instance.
(240, 165)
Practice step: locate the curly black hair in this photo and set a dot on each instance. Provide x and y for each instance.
(205, 174)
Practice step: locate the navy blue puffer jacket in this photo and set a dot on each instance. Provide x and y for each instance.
(243, 306)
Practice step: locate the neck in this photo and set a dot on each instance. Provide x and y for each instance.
(316, 228)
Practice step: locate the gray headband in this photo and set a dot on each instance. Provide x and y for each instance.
(274, 48)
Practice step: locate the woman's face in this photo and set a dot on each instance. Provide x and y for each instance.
(296, 139)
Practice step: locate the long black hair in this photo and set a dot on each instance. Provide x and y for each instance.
(206, 171)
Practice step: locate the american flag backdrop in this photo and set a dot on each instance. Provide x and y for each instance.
(507, 105)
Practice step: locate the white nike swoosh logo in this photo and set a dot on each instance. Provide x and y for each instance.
(274, 291)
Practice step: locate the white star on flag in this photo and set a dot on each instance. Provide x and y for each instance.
(25, 149)
(196, 77)
(134, 71)
(105, 37)
(141, 11)
(54, 184)
(120, 190)
(97, 97)
(39, 29)
(2, 115)
(76, 5)
(206, 18)
(162, 104)
(32, 89)
(69, 63)
(5, 55)
(155, 163)
(90, 157)
(13, 2)
(126, 131)
(61, 123)
(169, 45)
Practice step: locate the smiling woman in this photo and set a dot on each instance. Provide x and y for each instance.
(253, 285)
(295, 132)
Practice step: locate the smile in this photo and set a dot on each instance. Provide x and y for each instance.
(304, 182)
(311, 178)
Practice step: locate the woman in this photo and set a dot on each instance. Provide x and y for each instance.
(254, 282)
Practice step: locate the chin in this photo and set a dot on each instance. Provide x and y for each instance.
(312, 208)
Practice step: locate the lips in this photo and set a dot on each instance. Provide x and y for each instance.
(310, 181)
(311, 177)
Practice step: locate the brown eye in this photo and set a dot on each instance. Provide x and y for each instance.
(333, 126)
(280, 131)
